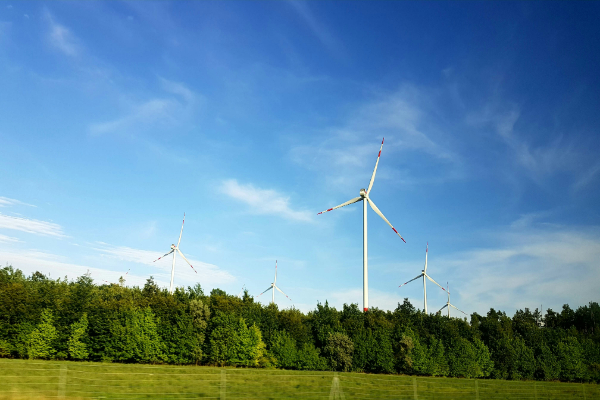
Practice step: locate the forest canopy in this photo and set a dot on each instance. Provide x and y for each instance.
(43, 318)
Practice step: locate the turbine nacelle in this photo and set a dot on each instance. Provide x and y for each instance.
(173, 246)
(363, 193)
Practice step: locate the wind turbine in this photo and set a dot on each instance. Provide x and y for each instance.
(448, 305)
(241, 291)
(111, 283)
(274, 286)
(425, 277)
(175, 250)
(364, 196)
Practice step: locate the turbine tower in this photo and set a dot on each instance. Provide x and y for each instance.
(364, 196)
(425, 277)
(274, 286)
(448, 304)
(175, 250)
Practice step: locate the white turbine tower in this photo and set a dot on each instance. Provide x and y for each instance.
(425, 277)
(364, 196)
(274, 286)
(448, 304)
(175, 250)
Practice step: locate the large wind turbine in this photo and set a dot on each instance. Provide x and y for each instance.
(425, 277)
(364, 196)
(448, 304)
(175, 250)
(274, 286)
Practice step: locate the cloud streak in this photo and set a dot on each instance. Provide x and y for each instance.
(264, 201)
(60, 37)
(31, 226)
(6, 202)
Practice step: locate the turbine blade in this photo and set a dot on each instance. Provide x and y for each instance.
(446, 305)
(163, 256)
(283, 293)
(452, 305)
(186, 260)
(264, 291)
(375, 170)
(420, 275)
(431, 279)
(180, 233)
(354, 200)
(374, 207)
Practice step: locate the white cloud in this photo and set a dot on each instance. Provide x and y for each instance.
(60, 37)
(30, 261)
(552, 266)
(31, 226)
(208, 274)
(264, 201)
(8, 239)
(6, 202)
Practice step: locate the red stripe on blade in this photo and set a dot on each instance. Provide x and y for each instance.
(379, 155)
(403, 239)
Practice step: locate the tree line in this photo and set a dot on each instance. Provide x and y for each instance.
(43, 318)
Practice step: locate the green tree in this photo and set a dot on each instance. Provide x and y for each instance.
(40, 343)
(200, 313)
(135, 337)
(76, 344)
(232, 342)
(284, 350)
(338, 351)
(570, 357)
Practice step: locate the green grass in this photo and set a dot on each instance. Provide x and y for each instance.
(22, 379)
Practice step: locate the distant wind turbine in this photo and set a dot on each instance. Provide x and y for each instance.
(364, 196)
(175, 250)
(110, 283)
(241, 291)
(274, 286)
(448, 305)
(425, 277)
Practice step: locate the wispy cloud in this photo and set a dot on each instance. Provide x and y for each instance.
(207, 273)
(264, 201)
(6, 202)
(349, 151)
(316, 27)
(8, 239)
(587, 177)
(60, 37)
(31, 226)
(159, 111)
(537, 161)
(552, 266)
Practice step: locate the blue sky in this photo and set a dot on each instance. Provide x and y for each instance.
(251, 117)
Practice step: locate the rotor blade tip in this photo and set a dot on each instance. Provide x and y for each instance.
(403, 240)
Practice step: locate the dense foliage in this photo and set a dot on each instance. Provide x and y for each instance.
(78, 320)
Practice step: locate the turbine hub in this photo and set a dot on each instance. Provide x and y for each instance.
(173, 246)
(363, 193)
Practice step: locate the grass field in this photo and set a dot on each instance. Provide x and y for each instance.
(22, 379)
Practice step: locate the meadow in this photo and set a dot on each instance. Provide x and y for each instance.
(24, 379)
